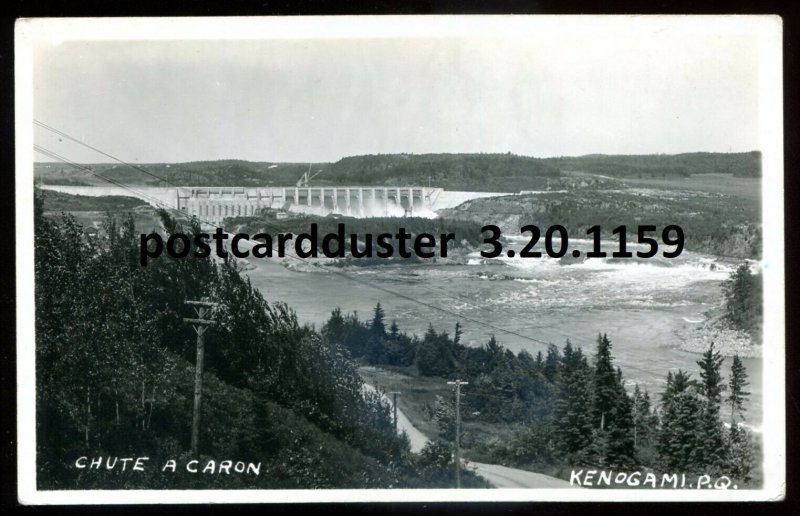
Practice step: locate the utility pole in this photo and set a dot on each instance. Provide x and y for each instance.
(394, 407)
(200, 326)
(458, 384)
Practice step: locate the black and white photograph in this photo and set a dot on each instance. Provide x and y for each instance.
(400, 258)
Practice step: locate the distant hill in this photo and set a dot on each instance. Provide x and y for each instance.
(487, 172)
(742, 164)
(478, 172)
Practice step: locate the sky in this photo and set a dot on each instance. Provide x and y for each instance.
(554, 93)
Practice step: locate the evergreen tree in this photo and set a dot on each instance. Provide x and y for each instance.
(644, 421)
(740, 454)
(621, 452)
(539, 363)
(377, 327)
(712, 451)
(494, 353)
(394, 331)
(678, 437)
(457, 334)
(605, 382)
(552, 363)
(736, 389)
(573, 406)
(711, 385)
(743, 299)
(434, 356)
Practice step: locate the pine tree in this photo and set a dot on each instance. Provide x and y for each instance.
(710, 364)
(736, 388)
(740, 454)
(377, 327)
(457, 334)
(573, 406)
(712, 452)
(645, 424)
(641, 416)
(552, 364)
(743, 299)
(621, 452)
(678, 437)
(605, 382)
(394, 331)
(539, 362)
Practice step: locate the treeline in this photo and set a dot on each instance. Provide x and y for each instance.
(115, 377)
(740, 164)
(229, 172)
(575, 409)
(479, 171)
(488, 172)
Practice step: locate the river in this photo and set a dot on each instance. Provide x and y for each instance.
(529, 302)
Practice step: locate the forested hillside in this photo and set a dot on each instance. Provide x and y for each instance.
(742, 164)
(473, 172)
(573, 406)
(115, 377)
(487, 172)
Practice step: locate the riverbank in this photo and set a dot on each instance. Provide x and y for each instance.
(696, 337)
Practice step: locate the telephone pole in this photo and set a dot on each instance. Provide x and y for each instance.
(458, 384)
(394, 407)
(200, 326)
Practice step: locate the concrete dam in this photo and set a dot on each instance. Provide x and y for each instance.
(214, 203)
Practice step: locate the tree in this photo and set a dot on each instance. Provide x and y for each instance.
(573, 406)
(457, 334)
(712, 451)
(377, 326)
(444, 415)
(678, 437)
(736, 389)
(644, 421)
(552, 363)
(743, 299)
(605, 382)
(740, 454)
(621, 451)
(711, 386)
(434, 356)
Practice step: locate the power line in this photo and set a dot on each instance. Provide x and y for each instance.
(267, 224)
(57, 156)
(458, 384)
(79, 142)
(479, 322)
(339, 273)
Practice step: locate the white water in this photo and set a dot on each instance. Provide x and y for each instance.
(528, 303)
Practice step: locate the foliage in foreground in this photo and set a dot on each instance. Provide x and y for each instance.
(575, 410)
(115, 377)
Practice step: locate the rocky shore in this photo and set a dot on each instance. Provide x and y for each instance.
(696, 337)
